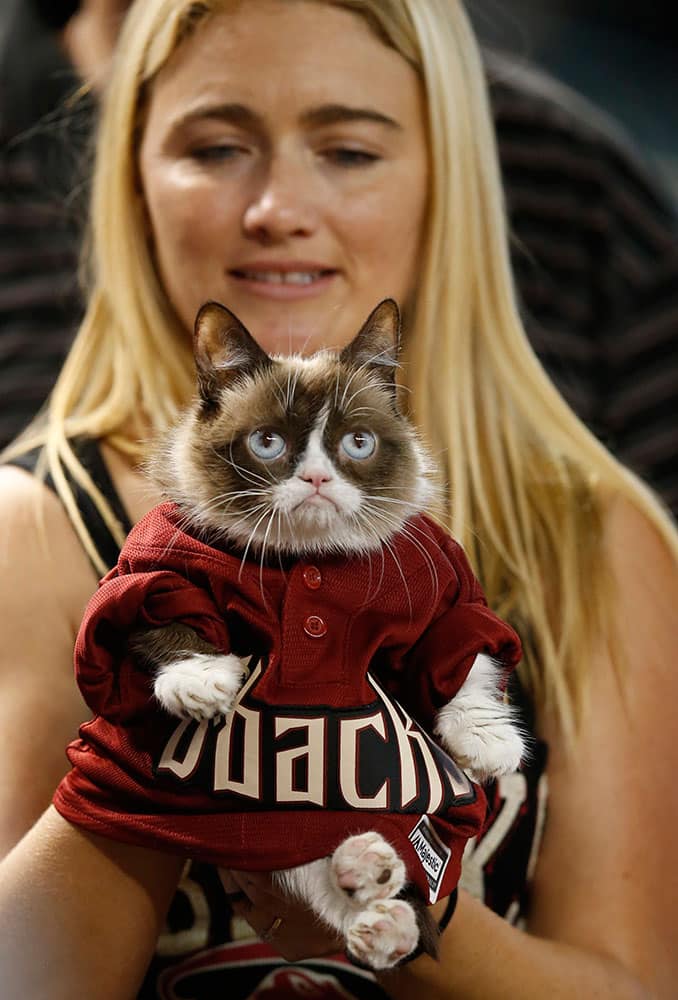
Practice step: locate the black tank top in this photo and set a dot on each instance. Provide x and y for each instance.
(205, 953)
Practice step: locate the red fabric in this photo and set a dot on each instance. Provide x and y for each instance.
(405, 623)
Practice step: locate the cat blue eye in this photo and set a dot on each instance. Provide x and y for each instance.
(266, 445)
(359, 444)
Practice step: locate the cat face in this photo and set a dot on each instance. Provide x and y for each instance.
(296, 455)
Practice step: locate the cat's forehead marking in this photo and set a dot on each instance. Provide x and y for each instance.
(325, 374)
(315, 454)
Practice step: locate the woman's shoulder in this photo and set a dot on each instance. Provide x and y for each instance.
(640, 543)
(41, 558)
(26, 501)
(641, 554)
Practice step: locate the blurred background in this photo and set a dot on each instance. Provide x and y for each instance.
(622, 54)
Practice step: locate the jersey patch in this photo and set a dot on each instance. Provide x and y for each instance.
(432, 853)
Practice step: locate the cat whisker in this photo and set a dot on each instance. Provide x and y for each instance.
(263, 556)
(356, 410)
(363, 388)
(365, 526)
(177, 534)
(247, 515)
(278, 547)
(343, 405)
(249, 542)
(282, 393)
(219, 504)
(370, 592)
(232, 526)
(353, 375)
(364, 367)
(233, 495)
(406, 531)
(398, 566)
(397, 489)
(293, 388)
(247, 474)
(396, 500)
(288, 393)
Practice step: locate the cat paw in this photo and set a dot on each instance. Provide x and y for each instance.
(484, 751)
(383, 933)
(365, 867)
(200, 686)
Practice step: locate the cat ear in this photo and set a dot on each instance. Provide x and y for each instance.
(377, 344)
(224, 349)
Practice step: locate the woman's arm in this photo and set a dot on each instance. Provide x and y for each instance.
(45, 582)
(79, 915)
(605, 898)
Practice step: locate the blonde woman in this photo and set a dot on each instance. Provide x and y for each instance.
(299, 160)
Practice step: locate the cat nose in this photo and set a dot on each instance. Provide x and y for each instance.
(316, 478)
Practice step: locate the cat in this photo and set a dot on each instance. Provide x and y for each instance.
(289, 457)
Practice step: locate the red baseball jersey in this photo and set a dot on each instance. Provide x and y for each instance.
(351, 658)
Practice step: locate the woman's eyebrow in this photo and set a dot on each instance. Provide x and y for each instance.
(233, 114)
(325, 114)
(333, 114)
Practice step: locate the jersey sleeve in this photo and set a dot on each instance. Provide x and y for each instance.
(111, 683)
(462, 627)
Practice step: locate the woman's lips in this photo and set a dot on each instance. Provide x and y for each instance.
(289, 282)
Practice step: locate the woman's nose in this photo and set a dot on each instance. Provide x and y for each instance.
(282, 205)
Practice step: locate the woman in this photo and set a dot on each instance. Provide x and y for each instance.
(299, 161)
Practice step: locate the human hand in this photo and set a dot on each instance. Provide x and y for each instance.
(287, 925)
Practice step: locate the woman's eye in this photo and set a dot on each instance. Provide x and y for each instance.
(359, 444)
(266, 445)
(217, 152)
(344, 156)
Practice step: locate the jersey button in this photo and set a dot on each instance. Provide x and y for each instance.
(315, 627)
(312, 577)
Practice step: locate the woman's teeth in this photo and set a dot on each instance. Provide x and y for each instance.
(283, 277)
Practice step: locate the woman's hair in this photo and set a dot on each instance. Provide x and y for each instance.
(525, 476)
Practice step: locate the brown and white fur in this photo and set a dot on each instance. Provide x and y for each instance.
(349, 474)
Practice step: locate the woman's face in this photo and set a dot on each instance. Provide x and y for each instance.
(284, 170)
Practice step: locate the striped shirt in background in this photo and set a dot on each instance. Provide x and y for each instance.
(595, 254)
(43, 136)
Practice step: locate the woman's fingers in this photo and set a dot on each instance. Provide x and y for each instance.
(259, 888)
(287, 925)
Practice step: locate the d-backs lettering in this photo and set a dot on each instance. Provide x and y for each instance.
(372, 758)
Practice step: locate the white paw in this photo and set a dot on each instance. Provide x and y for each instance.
(200, 686)
(478, 728)
(383, 933)
(365, 867)
(485, 747)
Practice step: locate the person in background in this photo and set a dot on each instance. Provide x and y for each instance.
(595, 258)
(53, 57)
(361, 153)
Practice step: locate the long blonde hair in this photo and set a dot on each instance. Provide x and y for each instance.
(525, 476)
